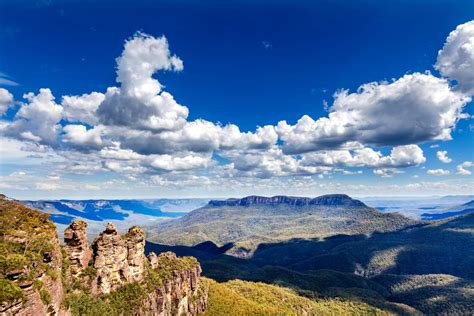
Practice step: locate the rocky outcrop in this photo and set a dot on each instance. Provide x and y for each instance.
(118, 260)
(31, 262)
(110, 260)
(77, 247)
(324, 200)
(181, 295)
(135, 241)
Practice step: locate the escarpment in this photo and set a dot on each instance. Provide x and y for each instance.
(111, 277)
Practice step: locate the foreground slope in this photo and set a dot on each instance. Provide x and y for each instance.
(253, 220)
(255, 298)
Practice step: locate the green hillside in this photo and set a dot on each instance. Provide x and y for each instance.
(426, 267)
(248, 225)
(255, 298)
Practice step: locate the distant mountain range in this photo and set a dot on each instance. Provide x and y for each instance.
(415, 207)
(450, 212)
(123, 213)
(253, 220)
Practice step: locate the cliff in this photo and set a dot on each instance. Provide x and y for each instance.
(110, 277)
(30, 261)
(324, 200)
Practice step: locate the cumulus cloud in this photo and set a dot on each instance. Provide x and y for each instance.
(82, 108)
(456, 58)
(413, 109)
(462, 168)
(443, 156)
(400, 156)
(137, 127)
(81, 137)
(386, 172)
(38, 119)
(170, 163)
(140, 101)
(6, 100)
(438, 172)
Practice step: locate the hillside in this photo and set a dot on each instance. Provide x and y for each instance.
(426, 267)
(255, 298)
(254, 220)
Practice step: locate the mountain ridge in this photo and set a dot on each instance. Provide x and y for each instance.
(328, 199)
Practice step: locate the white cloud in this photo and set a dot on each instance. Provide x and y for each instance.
(400, 156)
(438, 172)
(5, 80)
(37, 120)
(170, 163)
(443, 156)
(456, 59)
(386, 172)
(82, 108)
(6, 100)
(137, 128)
(461, 169)
(139, 102)
(81, 137)
(413, 109)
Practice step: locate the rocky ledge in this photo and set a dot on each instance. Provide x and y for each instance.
(324, 200)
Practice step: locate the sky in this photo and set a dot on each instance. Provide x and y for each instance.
(109, 99)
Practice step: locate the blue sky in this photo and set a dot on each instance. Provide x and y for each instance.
(246, 63)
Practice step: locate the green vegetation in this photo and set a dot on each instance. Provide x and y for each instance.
(168, 267)
(26, 249)
(249, 226)
(249, 298)
(427, 267)
(128, 299)
(45, 296)
(9, 291)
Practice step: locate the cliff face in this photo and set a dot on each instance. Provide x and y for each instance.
(111, 277)
(324, 200)
(30, 262)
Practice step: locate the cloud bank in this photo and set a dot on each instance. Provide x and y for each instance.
(138, 129)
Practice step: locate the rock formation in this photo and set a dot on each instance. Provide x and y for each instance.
(119, 260)
(37, 278)
(77, 247)
(110, 260)
(135, 241)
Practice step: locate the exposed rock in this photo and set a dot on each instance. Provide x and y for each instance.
(77, 247)
(153, 258)
(326, 200)
(110, 260)
(135, 240)
(180, 295)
